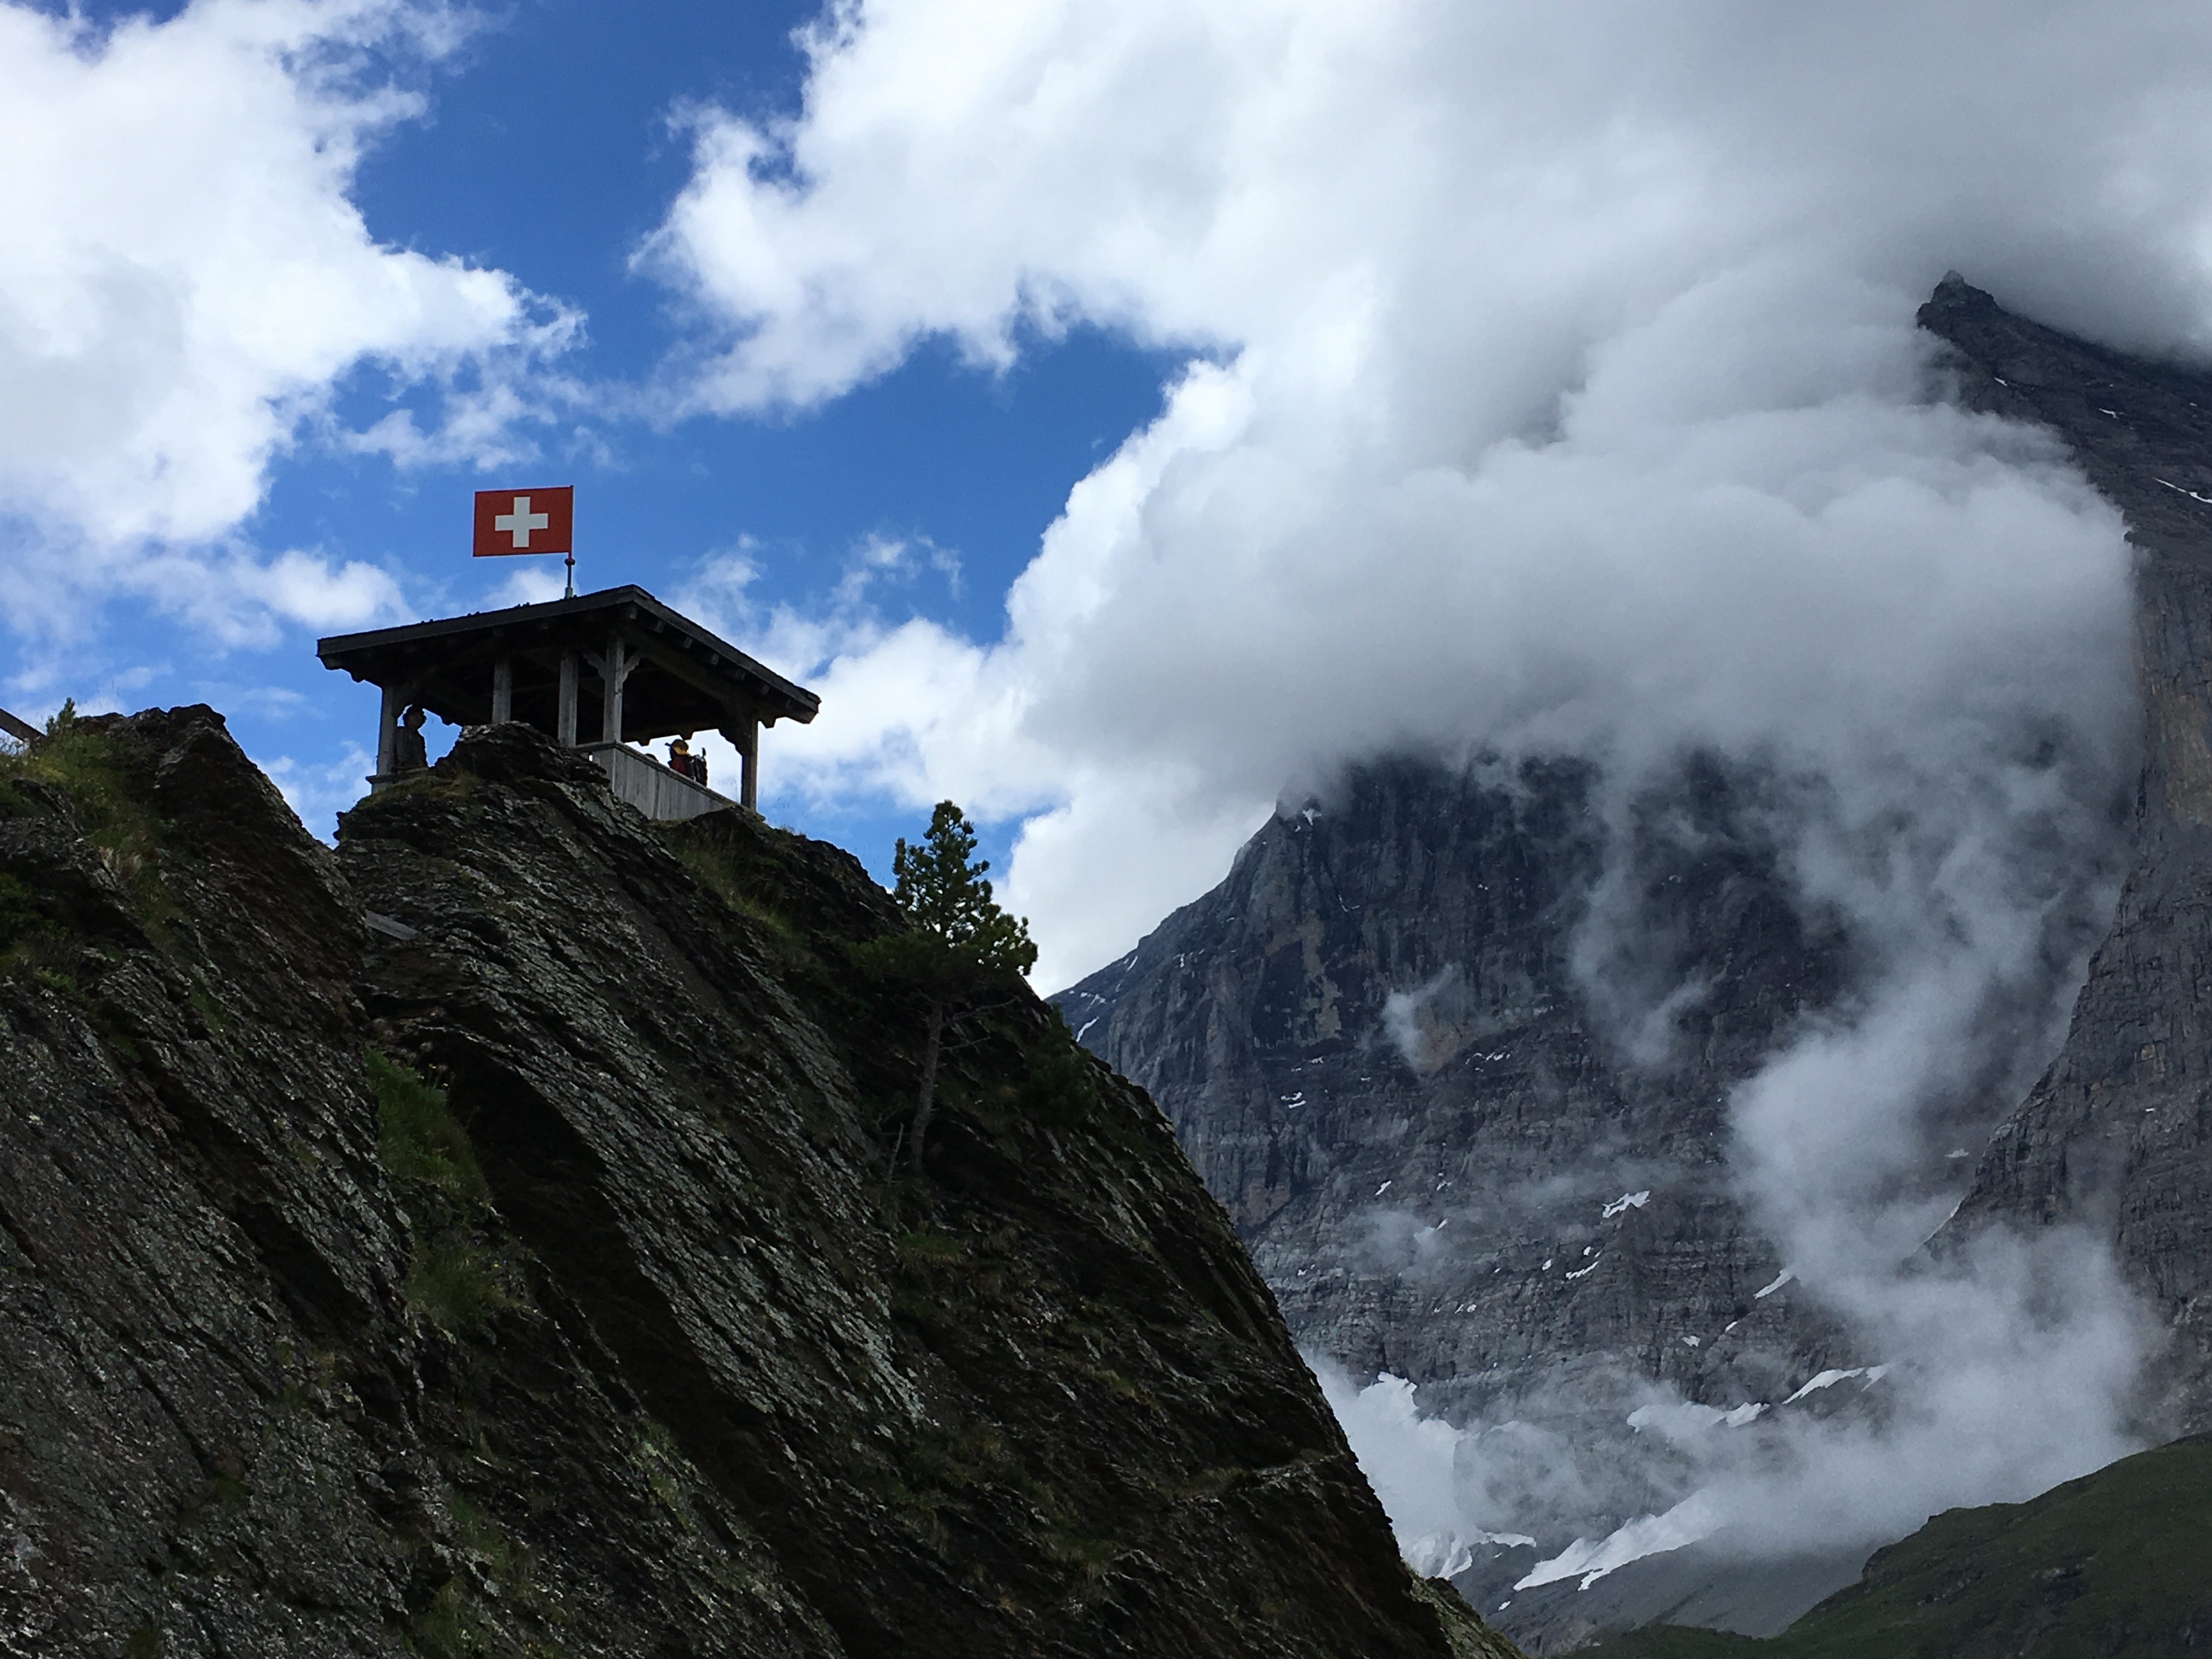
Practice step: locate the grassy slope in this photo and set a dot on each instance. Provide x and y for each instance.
(2115, 1565)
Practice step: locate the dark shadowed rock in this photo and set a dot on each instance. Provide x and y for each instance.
(2118, 1135)
(618, 1340)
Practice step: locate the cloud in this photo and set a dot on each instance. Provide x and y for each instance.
(186, 282)
(1977, 1405)
(1550, 386)
(1553, 372)
(320, 790)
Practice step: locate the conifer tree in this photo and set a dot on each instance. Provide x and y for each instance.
(960, 941)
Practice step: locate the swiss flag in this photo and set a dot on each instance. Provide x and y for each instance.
(525, 521)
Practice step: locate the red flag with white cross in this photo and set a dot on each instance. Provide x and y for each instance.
(525, 521)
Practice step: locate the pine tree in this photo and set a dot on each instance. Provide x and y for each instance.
(960, 941)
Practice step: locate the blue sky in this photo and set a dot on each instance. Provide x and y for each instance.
(1125, 415)
(549, 149)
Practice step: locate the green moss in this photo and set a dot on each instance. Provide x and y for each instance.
(952, 1462)
(1122, 1388)
(144, 1643)
(94, 771)
(456, 1624)
(917, 1249)
(453, 1627)
(947, 1276)
(1086, 1558)
(508, 1565)
(660, 1459)
(419, 1139)
(205, 1003)
(18, 912)
(32, 949)
(456, 1278)
(457, 1288)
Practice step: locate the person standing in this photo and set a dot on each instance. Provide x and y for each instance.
(408, 753)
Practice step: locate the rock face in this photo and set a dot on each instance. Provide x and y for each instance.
(2118, 1134)
(1376, 1042)
(585, 1319)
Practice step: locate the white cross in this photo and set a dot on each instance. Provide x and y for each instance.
(522, 521)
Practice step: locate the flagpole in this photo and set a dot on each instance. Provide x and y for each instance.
(571, 562)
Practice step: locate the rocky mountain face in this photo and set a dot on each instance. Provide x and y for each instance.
(1378, 1043)
(478, 1241)
(1453, 1044)
(2118, 1134)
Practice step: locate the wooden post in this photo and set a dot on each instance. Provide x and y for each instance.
(502, 690)
(613, 672)
(387, 730)
(745, 738)
(565, 720)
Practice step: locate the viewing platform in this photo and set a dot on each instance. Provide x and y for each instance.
(596, 672)
(658, 791)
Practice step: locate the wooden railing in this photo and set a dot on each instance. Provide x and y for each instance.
(650, 787)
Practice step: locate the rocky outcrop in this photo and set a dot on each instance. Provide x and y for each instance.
(2118, 1134)
(478, 1241)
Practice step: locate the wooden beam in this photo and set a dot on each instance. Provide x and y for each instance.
(745, 738)
(564, 720)
(388, 730)
(612, 673)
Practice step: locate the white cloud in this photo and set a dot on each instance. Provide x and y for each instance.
(305, 589)
(320, 790)
(1552, 386)
(185, 279)
(1979, 1405)
(1560, 377)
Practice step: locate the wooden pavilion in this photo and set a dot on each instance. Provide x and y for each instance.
(597, 672)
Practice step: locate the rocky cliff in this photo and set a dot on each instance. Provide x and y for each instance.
(478, 1241)
(1376, 1041)
(2118, 1134)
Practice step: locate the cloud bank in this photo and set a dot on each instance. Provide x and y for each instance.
(1552, 377)
(185, 283)
(1550, 387)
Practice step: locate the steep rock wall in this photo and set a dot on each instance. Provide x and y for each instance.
(2118, 1134)
(596, 1325)
(1375, 1041)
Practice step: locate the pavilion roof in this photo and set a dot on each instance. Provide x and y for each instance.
(686, 679)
